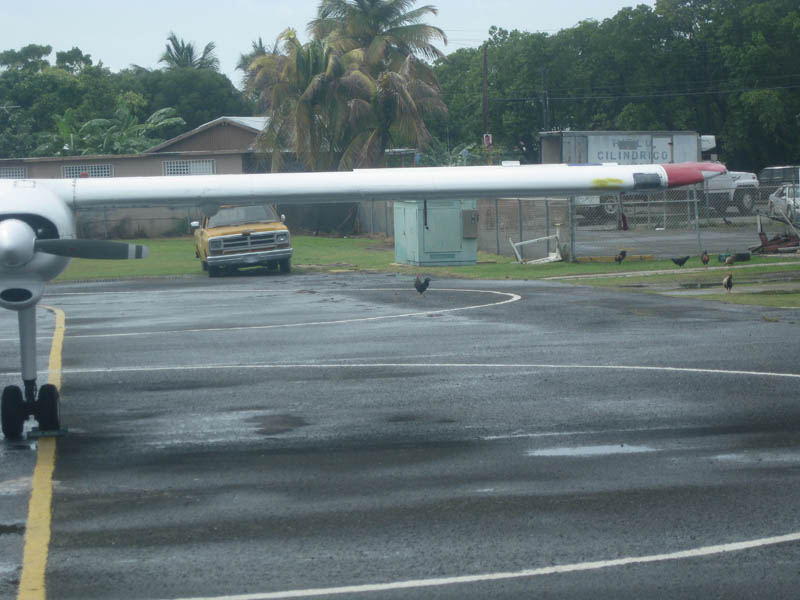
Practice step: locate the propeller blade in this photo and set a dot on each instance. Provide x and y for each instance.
(91, 249)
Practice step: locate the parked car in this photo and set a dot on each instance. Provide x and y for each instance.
(784, 203)
(771, 178)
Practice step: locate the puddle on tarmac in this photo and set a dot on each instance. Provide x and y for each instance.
(581, 451)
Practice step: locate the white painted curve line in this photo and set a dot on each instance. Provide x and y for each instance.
(430, 366)
(511, 298)
(526, 573)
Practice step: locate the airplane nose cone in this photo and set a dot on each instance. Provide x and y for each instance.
(16, 243)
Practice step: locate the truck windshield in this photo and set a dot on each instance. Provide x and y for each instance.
(242, 215)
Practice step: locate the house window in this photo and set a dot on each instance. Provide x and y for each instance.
(205, 166)
(12, 172)
(73, 171)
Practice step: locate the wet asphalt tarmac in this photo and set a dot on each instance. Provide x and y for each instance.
(264, 434)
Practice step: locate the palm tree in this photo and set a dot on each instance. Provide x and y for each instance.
(123, 134)
(386, 36)
(179, 54)
(392, 115)
(304, 91)
(258, 49)
(387, 31)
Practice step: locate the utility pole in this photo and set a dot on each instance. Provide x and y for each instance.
(545, 102)
(487, 139)
(485, 99)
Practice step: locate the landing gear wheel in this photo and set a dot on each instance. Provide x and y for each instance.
(14, 413)
(48, 408)
(285, 265)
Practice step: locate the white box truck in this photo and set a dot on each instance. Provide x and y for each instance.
(622, 147)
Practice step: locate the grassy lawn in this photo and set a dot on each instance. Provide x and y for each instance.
(175, 257)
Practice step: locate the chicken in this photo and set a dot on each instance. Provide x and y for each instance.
(621, 256)
(704, 258)
(680, 261)
(727, 283)
(730, 260)
(422, 285)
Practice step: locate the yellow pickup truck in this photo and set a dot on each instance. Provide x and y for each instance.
(243, 236)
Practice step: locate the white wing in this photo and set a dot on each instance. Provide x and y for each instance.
(391, 184)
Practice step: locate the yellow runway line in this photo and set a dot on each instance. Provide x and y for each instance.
(37, 529)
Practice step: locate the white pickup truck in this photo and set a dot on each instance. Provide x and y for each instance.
(735, 188)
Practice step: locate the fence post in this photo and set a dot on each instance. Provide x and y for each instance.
(571, 208)
(497, 223)
(547, 221)
(697, 221)
(521, 238)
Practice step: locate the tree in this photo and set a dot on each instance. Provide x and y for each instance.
(179, 54)
(390, 91)
(122, 133)
(74, 61)
(257, 50)
(393, 115)
(385, 30)
(30, 58)
(304, 91)
(198, 95)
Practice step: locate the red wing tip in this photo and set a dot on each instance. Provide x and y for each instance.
(689, 173)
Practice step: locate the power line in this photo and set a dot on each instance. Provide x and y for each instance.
(579, 96)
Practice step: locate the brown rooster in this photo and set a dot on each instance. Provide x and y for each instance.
(727, 283)
(704, 258)
(422, 285)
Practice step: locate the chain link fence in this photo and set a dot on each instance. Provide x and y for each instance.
(674, 223)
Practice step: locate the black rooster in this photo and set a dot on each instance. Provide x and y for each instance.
(422, 285)
(680, 261)
(621, 256)
(727, 283)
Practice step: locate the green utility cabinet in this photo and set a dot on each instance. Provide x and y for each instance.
(436, 232)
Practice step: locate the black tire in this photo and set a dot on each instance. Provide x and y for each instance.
(48, 408)
(745, 201)
(13, 412)
(204, 264)
(608, 207)
(285, 265)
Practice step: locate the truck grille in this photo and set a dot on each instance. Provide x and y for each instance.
(256, 242)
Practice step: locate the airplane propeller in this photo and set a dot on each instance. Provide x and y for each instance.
(97, 249)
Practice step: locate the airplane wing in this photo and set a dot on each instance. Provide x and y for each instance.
(427, 183)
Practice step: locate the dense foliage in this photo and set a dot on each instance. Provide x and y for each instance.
(721, 67)
(372, 77)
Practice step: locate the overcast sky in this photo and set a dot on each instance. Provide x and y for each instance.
(125, 33)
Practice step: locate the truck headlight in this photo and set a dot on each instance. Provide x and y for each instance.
(214, 246)
(282, 237)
